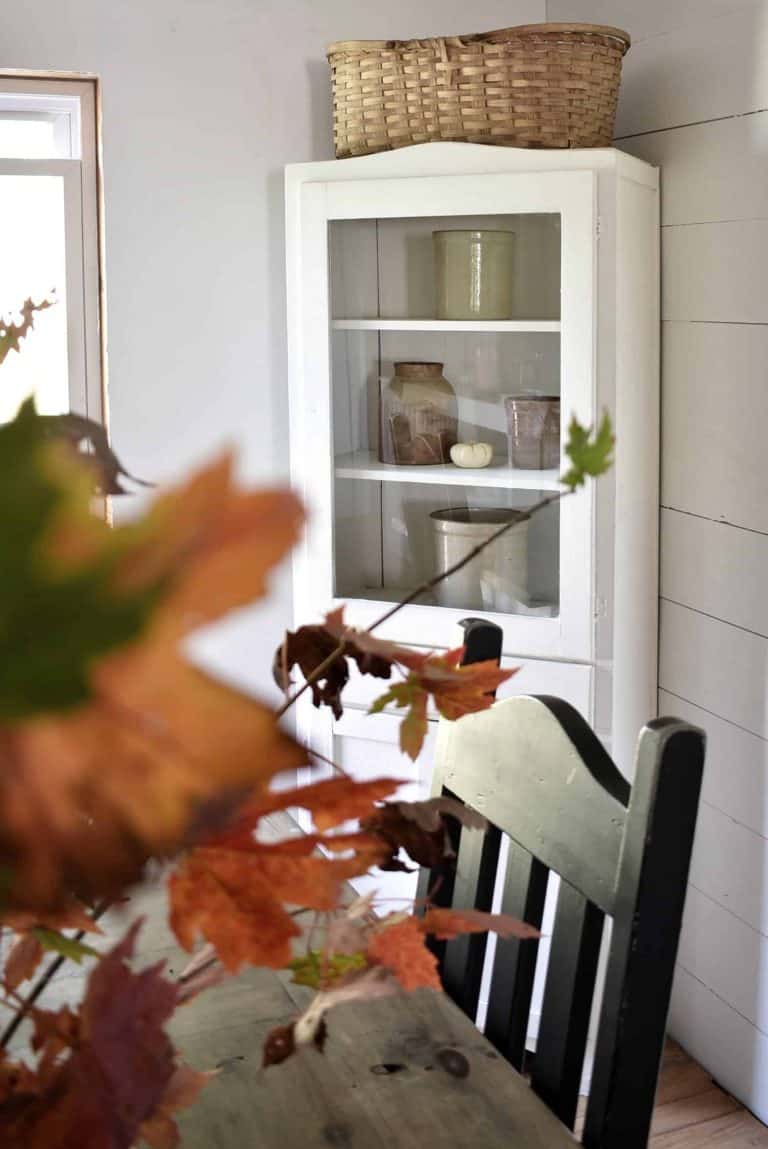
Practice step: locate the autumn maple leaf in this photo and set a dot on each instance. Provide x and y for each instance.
(108, 1070)
(446, 924)
(456, 690)
(233, 889)
(115, 748)
(400, 948)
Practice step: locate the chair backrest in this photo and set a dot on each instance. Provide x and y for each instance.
(537, 771)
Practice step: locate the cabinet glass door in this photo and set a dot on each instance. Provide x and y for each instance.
(412, 387)
(460, 343)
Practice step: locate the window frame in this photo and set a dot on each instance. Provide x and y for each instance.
(77, 99)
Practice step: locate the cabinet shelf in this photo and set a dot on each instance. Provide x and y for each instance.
(365, 465)
(527, 326)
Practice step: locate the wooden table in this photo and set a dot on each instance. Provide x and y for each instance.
(399, 1072)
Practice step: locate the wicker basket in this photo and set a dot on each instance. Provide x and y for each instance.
(536, 86)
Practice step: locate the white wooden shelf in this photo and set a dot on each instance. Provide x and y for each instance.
(500, 325)
(365, 465)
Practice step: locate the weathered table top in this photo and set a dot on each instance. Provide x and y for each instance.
(389, 1078)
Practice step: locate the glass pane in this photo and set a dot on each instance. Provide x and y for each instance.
(29, 137)
(33, 266)
(390, 537)
(446, 407)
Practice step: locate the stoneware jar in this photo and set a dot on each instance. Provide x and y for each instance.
(497, 578)
(473, 274)
(419, 418)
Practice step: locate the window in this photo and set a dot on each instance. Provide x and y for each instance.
(49, 214)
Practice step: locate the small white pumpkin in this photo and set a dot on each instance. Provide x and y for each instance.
(471, 454)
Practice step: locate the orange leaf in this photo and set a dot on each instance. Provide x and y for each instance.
(161, 752)
(331, 802)
(234, 897)
(456, 690)
(459, 690)
(446, 924)
(401, 949)
(24, 957)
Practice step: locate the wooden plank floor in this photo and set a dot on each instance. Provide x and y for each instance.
(692, 1112)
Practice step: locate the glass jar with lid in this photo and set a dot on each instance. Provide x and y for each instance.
(419, 417)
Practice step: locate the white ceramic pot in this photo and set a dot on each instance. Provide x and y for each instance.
(497, 578)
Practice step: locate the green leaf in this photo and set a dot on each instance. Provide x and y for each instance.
(318, 970)
(590, 454)
(400, 694)
(68, 947)
(54, 621)
(12, 333)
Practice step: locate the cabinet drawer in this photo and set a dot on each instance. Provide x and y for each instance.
(570, 681)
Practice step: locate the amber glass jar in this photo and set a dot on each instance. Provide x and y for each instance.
(418, 416)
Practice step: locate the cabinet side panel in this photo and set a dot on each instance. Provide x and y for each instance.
(636, 564)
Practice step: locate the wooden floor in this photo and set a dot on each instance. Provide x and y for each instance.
(692, 1112)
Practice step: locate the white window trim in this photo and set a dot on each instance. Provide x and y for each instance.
(77, 98)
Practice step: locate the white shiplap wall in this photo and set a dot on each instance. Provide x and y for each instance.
(695, 101)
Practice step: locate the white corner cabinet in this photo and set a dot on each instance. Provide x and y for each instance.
(583, 324)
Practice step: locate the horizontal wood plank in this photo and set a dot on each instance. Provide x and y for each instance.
(727, 955)
(736, 766)
(736, 1051)
(730, 584)
(714, 665)
(715, 272)
(737, 1130)
(651, 18)
(714, 415)
(711, 172)
(702, 70)
(730, 865)
(692, 1111)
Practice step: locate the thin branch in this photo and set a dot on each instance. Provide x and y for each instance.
(430, 584)
(43, 982)
(421, 590)
(328, 762)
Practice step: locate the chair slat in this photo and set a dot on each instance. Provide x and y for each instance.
(567, 1004)
(649, 906)
(474, 881)
(536, 770)
(514, 965)
(437, 885)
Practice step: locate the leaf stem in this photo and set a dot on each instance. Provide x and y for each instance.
(421, 590)
(43, 982)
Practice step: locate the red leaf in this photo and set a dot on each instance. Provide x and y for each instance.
(119, 1067)
(24, 957)
(401, 948)
(183, 1089)
(446, 924)
(426, 847)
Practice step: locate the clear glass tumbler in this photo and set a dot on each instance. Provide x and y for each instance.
(533, 431)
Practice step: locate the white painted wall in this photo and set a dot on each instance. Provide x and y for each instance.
(204, 102)
(695, 100)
